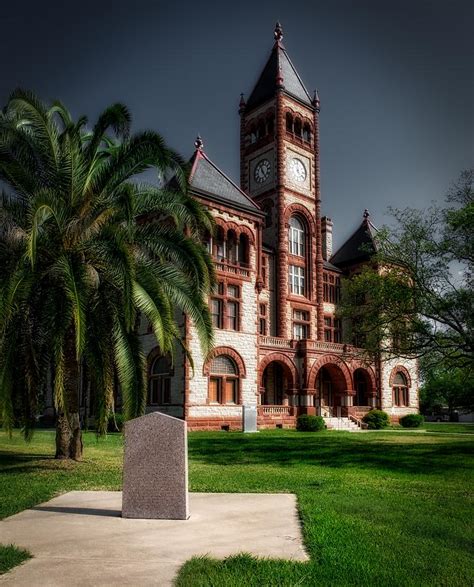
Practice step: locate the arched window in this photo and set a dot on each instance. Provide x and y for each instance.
(232, 247)
(253, 134)
(159, 382)
(244, 250)
(270, 125)
(297, 127)
(400, 389)
(219, 244)
(297, 237)
(289, 122)
(307, 133)
(223, 381)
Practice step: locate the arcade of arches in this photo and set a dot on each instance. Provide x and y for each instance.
(333, 390)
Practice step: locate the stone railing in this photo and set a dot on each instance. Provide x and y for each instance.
(240, 270)
(358, 421)
(275, 341)
(275, 410)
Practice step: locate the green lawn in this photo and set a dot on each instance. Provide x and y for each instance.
(382, 508)
(465, 428)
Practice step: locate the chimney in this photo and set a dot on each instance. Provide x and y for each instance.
(326, 236)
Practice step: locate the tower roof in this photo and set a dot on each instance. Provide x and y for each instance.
(206, 179)
(278, 70)
(359, 247)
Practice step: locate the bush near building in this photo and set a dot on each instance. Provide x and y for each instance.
(412, 421)
(307, 423)
(376, 419)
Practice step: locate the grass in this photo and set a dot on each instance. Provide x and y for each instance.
(382, 508)
(456, 427)
(11, 556)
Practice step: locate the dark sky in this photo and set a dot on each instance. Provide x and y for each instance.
(395, 78)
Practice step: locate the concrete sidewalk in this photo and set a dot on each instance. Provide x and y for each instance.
(80, 538)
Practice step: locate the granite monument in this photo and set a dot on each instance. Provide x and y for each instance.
(155, 472)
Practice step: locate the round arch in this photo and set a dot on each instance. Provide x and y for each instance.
(285, 361)
(368, 371)
(330, 360)
(230, 352)
(401, 369)
(299, 210)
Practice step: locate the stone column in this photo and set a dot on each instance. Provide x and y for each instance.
(307, 401)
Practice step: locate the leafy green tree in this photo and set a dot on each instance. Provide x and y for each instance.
(416, 297)
(451, 388)
(85, 248)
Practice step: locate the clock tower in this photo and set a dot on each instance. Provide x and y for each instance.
(279, 154)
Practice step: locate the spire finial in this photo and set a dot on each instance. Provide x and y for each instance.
(242, 104)
(316, 101)
(198, 143)
(278, 32)
(366, 215)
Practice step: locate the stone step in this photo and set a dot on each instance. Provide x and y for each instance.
(341, 424)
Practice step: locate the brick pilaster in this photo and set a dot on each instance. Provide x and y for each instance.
(319, 248)
(282, 251)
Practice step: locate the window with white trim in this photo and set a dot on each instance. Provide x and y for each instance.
(300, 324)
(296, 237)
(297, 280)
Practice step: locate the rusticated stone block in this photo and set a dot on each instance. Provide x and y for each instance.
(155, 472)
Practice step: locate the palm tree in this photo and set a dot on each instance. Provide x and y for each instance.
(85, 248)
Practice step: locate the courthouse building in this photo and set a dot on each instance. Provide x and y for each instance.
(278, 343)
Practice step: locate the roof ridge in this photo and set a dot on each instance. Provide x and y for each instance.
(296, 72)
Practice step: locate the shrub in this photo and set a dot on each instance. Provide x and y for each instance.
(307, 423)
(412, 421)
(116, 422)
(376, 419)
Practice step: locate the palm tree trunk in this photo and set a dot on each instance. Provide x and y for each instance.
(68, 426)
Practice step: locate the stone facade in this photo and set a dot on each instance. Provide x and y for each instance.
(278, 342)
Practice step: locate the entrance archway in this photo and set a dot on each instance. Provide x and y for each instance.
(331, 388)
(276, 381)
(364, 387)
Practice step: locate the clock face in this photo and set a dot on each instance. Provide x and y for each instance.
(262, 171)
(297, 170)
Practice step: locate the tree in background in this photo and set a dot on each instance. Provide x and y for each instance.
(443, 388)
(416, 299)
(84, 248)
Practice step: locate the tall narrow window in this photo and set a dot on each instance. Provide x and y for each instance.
(233, 307)
(159, 385)
(262, 325)
(297, 281)
(216, 313)
(296, 237)
(223, 381)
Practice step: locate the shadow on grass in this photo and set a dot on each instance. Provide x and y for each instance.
(331, 451)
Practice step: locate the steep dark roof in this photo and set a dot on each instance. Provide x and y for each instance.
(267, 82)
(208, 180)
(330, 266)
(359, 247)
